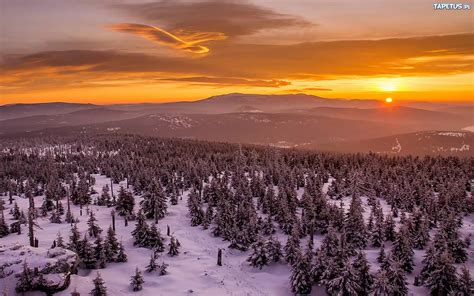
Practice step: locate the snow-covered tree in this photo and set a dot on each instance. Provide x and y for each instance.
(442, 280)
(292, 247)
(173, 247)
(125, 202)
(274, 249)
(121, 256)
(137, 280)
(99, 286)
(152, 264)
(346, 282)
(94, 229)
(300, 279)
(259, 256)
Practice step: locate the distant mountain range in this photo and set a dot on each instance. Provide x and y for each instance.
(279, 120)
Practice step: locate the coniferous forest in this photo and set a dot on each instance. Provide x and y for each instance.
(104, 215)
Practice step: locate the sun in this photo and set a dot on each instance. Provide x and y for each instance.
(388, 100)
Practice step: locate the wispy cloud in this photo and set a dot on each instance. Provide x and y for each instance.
(306, 89)
(234, 18)
(183, 40)
(230, 81)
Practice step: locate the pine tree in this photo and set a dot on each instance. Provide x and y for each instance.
(75, 242)
(111, 245)
(442, 280)
(389, 228)
(345, 283)
(4, 230)
(465, 285)
(403, 250)
(125, 203)
(141, 231)
(292, 247)
(173, 247)
(55, 217)
(268, 228)
(152, 265)
(382, 257)
(104, 198)
(121, 256)
(94, 230)
(300, 279)
(99, 286)
(274, 249)
(259, 256)
(382, 285)
(155, 239)
(137, 281)
(355, 229)
(25, 279)
(162, 268)
(397, 279)
(59, 240)
(100, 253)
(362, 268)
(154, 202)
(88, 255)
(195, 210)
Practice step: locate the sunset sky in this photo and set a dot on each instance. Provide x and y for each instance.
(104, 51)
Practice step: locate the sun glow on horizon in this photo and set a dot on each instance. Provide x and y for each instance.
(388, 100)
(388, 86)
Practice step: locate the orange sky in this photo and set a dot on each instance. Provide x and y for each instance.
(131, 51)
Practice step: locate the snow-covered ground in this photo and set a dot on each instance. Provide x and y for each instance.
(195, 270)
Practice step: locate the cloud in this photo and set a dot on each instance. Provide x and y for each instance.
(306, 89)
(233, 18)
(229, 81)
(188, 41)
(251, 64)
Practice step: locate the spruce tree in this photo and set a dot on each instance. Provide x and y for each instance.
(274, 249)
(94, 230)
(465, 286)
(259, 256)
(442, 280)
(292, 247)
(141, 231)
(137, 281)
(362, 269)
(354, 226)
(155, 240)
(125, 203)
(121, 256)
(403, 249)
(397, 279)
(154, 202)
(88, 255)
(162, 268)
(75, 242)
(300, 279)
(99, 286)
(382, 285)
(152, 265)
(389, 228)
(345, 283)
(25, 280)
(111, 245)
(173, 247)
